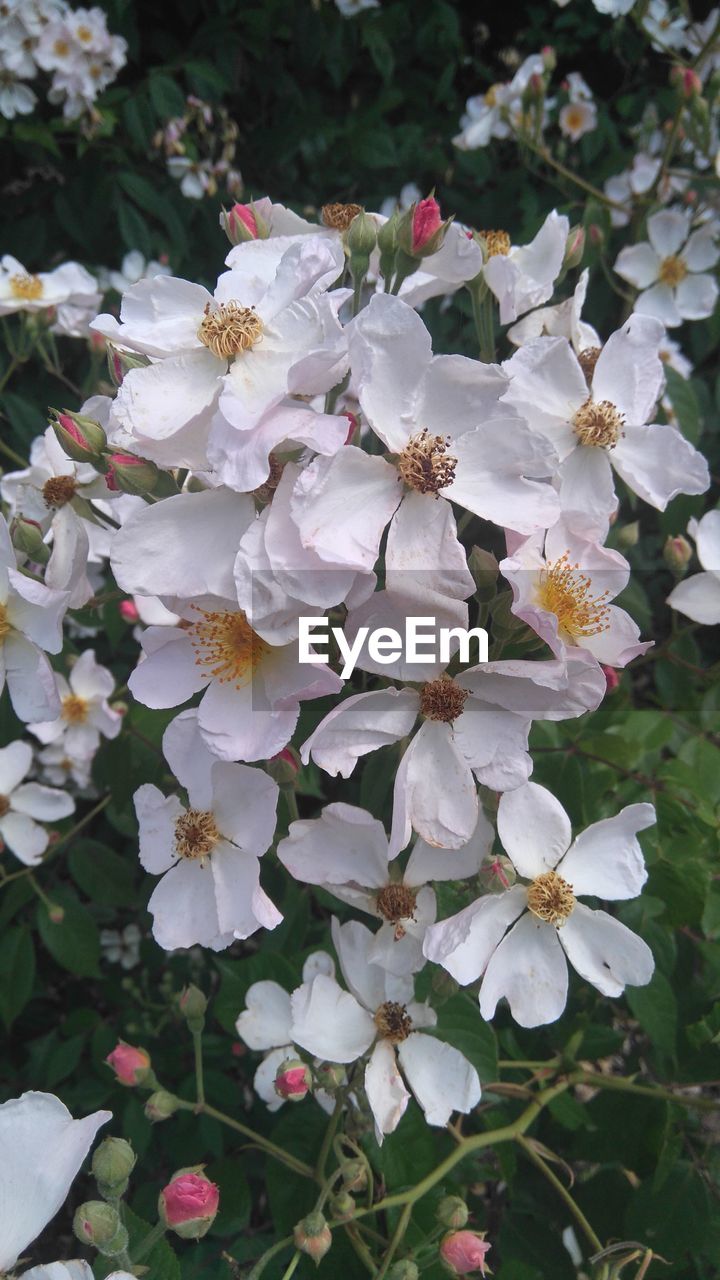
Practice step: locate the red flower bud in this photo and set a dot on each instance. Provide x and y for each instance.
(425, 223)
(612, 679)
(129, 611)
(189, 1203)
(130, 1064)
(293, 1080)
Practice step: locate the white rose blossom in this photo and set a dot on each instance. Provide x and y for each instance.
(672, 268)
(23, 805)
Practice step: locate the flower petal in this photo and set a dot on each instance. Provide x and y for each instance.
(329, 1022)
(534, 829)
(605, 952)
(606, 859)
(385, 1090)
(440, 1076)
(529, 970)
(265, 1021)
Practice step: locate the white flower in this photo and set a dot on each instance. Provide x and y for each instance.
(564, 591)
(346, 851)
(74, 1270)
(487, 115)
(577, 118)
(561, 321)
(441, 416)
(698, 597)
(59, 768)
(341, 1026)
(37, 1132)
(30, 620)
(22, 802)
(22, 291)
(16, 98)
(349, 8)
(524, 277)
(208, 854)
(85, 714)
(670, 268)
(667, 30)
(121, 946)
(596, 416)
(474, 726)
(527, 965)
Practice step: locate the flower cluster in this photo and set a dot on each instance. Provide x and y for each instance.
(72, 46)
(199, 147)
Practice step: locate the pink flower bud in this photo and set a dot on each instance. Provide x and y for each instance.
(612, 679)
(243, 223)
(189, 1203)
(463, 1252)
(677, 554)
(293, 1080)
(549, 57)
(313, 1236)
(130, 1064)
(686, 81)
(129, 474)
(129, 611)
(426, 222)
(68, 425)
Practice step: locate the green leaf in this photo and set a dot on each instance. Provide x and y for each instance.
(673, 1219)
(460, 1024)
(238, 975)
(683, 398)
(235, 1204)
(103, 875)
(17, 965)
(133, 228)
(74, 942)
(161, 1261)
(655, 1008)
(166, 96)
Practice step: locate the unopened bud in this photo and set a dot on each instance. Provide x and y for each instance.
(129, 611)
(496, 875)
(596, 235)
(98, 1224)
(27, 538)
(360, 240)
(452, 1212)
(122, 362)
(193, 1006)
(677, 554)
(82, 439)
(612, 678)
(131, 1065)
(463, 1252)
(312, 1236)
(284, 767)
(354, 1174)
(422, 230)
(574, 248)
(129, 474)
(628, 535)
(549, 57)
(189, 1203)
(293, 1081)
(56, 913)
(243, 223)
(342, 1207)
(405, 1269)
(160, 1106)
(330, 1076)
(387, 244)
(112, 1164)
(686, 82)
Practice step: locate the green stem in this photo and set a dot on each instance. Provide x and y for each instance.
(199, 1076)
(50, 906)
(330, 1132)
(560, 168)
(648, 1091)
(483, 308)
(298, 1166)
(575, 1210)
(292, 1266)
(261, 1264)
(13, 365)
(395, 1241)
(156, 1233)
(288, 795)
(352, 1231)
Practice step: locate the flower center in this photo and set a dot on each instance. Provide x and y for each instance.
(84, 34)
(672, 270)
(4, 806)
(230, 329)
(587, 360)
(551, 898)
(26, 286)
(567, 593)
(574, 116)
(396, 902)
(442, 699)
(393, 1022)
(425, 464)
(339, 216)
(4, 624)
(227, 646)
(74, 709)
(490, 98)
(195, 834)
(598, 424)
(59, 490)
(497, 243)
(61, 48)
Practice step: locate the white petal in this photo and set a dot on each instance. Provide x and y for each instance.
(435, 791)
(639, 264)
(184, 909)
(15, 761)
(44, 803)
(329, 1022)
(244, 804)
(698, 598)
(385, 1090)
(43, 1149)
(464, 943)
(157, 816)
(342, 504)
(344, 845)
(189, 758)
(587, 492)
(491, 477)
(629, 371)
(695, 297)
(243, 907)
(430, 863)
(265, 1076)
(30, 679)
(168, 674)
(659, 301)
(265, 1021)
(240, 724)
(440, 1076)
(370, 984)
(605, 952)
(358, 725)
(24, 837)
(390, 350)
(529, 970)
(668, 230)
(606, 860)
(534, 829)
(658, 463)
(707, 537)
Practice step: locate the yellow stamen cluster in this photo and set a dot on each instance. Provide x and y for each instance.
(497, 243)
(672, 271)
(490, 98)
(598, 424)
(58, 491)
(393, 1022)
(551, 898)
(28, 288)
(84, 34)
(4, 624)
(61, 48)
(567, 593)
(196, 834)
(442, 699)
(226, 646)
(396, 902)
(425, 464)
(339, 216)
(74, 709)
(230, 329)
